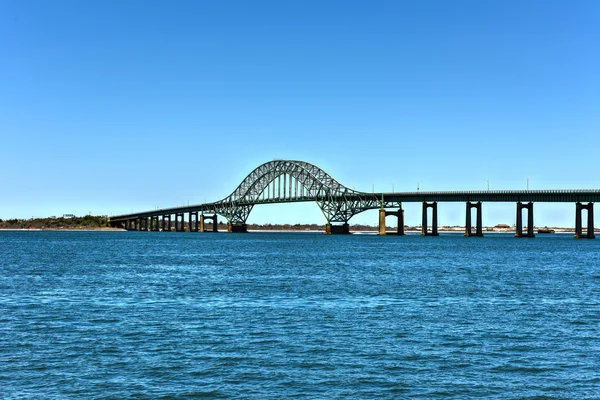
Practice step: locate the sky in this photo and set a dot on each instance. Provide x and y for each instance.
(110, 107)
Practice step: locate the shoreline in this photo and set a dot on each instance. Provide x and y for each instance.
(366, 232)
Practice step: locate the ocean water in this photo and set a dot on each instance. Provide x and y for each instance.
(283, 315)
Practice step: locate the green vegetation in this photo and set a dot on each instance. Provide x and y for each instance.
(86, 222)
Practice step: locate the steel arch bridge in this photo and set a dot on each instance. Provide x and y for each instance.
(287, 181)
(283, 181)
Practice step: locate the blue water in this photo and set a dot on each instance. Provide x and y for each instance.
(278, 315)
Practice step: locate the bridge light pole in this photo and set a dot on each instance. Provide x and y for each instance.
(527, 183)
(418, 185)
(488, 184)
(393, 187)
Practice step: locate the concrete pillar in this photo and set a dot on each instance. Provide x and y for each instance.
(591, 234)
(400, 221)
(478, 219)
(179, 222)
(434, 222)
(343, 229)
(519, 228)
(236, 228)
(424, 220)
(468, 220)
(215, 224)
(579, 223)
(382, 221)
(196, 224)
(201, 222)
(328, 229)
(530, 227)
(479, 227)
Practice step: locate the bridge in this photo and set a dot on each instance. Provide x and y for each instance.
(288, 181)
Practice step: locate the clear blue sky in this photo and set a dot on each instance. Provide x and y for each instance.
(113, 106)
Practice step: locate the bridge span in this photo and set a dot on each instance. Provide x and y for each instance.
(288, 181)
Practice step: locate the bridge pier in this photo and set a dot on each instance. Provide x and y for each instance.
(193, 221)
(234, 228)
(179, 222)
(529, 208)
(478, 224)
(590, 221)
(399, 214)
(215, 227)
(144, 224)
(154, 224)
(434, 223)
(343, 229)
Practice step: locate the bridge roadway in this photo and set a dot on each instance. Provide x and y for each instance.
(283, 181)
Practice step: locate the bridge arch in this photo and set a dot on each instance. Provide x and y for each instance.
(337, 202)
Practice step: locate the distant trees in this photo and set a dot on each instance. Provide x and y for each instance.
(86, 222)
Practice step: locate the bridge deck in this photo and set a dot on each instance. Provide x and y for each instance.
(546, 196)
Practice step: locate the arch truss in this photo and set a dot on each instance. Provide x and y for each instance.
(283, 181)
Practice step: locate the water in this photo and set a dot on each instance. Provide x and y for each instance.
(278, 315)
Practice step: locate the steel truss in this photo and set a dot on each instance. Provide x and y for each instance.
(282, 181)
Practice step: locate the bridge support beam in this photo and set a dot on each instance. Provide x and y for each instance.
(399, 214)
(478, 224)
(590, 221)
(434, 223)
(234, 228)
(331, 229)
(179, 222)
(193, 221)
(382, 214)
(144, 224)
(215, 227)
(166, 223)
(343, 229)
(529, 208)
(154, 227)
